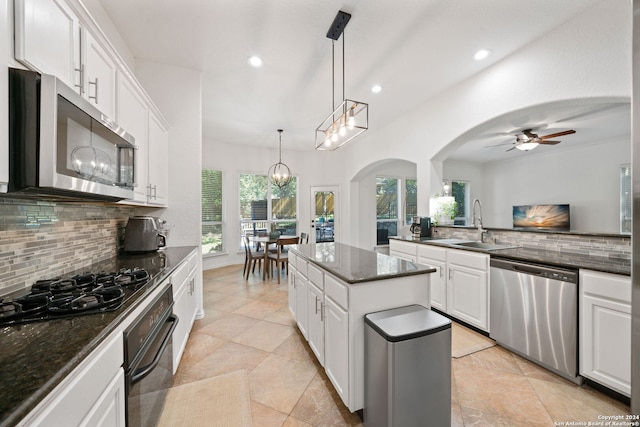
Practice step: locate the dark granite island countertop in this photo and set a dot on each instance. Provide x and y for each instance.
(37, 356)
(354, 265)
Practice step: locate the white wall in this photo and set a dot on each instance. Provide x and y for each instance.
(587, 178)
(589, 56)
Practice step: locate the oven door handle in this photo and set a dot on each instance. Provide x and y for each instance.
(139, 374)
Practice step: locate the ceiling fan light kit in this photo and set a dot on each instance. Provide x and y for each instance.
(527, 140)
(350, 118)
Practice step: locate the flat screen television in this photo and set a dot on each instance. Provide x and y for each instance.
(541, 217)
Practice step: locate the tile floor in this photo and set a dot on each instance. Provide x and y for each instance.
(248, 326)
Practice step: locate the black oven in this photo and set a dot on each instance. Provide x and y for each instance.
(148, 361)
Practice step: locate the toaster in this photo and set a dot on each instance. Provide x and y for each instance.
(143, 234)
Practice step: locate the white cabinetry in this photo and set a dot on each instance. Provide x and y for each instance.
(336, 336)
(47, 39)
(4, 95)
(51, 39)
(291, 283)
(185, 305)
(302, 288)
(158, 167)
(460, 287)
(99, 72)
(468, 287)
(436, 257)
(403, 250)
(605, 329)
(92, 395)
(132, 116)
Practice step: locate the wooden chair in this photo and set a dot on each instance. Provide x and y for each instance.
(251, 257)
(281, 257)
(304, 238)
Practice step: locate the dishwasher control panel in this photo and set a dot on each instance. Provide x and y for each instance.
(545, 271)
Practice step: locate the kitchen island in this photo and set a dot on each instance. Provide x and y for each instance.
(331, 287)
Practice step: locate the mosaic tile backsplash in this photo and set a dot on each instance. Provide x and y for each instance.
(47, 239)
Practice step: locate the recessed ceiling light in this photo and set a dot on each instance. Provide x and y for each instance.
(376, 89)
(481, 54)
(255, 61)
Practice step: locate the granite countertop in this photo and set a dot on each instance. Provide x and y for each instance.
(554, 258)
(355, 265)
(37, 356)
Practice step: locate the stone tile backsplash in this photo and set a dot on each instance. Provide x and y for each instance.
(618, 247)
(46, 239)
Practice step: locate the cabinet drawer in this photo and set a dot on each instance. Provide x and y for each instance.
(315, 276)
(607, 285)
(468, 259)
(179, 276)
(192, 262)
(403, 247)
(293, 258)
(301, 266)
(432, 252)
(336, 291)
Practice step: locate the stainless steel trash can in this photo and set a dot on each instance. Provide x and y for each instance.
(407, 368)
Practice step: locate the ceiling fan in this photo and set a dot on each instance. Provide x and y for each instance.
(527, 140)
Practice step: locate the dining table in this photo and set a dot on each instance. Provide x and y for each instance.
(266, 241)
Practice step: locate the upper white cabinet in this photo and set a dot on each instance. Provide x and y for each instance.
(98, 76)
(47, 39)
(133, 116)
(60, 38)
(605, 329)
(158, 178)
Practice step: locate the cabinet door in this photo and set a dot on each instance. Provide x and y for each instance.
(467, 295)
(132, 117)
(301, 304)
(99, 76)
(315, 328)
(336, 336)
(438, 283)
(291, 283)
(47, 39)
(4, 107)
(181, 333)
(109, 410)
(605, 329)
(158, 162)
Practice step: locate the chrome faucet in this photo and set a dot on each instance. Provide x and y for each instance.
(477, 219)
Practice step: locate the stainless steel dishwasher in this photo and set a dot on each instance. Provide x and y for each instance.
(534, 312)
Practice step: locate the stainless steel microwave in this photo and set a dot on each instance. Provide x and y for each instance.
(61, 146)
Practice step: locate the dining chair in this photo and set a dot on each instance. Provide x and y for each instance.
(250, 259)
(281, 257)
(304, 238)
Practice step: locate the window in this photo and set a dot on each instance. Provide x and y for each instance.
(625, 199)
(265, 208)
(390, 208)
(460, 192)
(212, 239)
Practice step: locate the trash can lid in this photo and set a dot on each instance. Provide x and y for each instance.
(405, 323)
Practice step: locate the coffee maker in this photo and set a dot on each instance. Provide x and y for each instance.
(421, 226)
(415, 226)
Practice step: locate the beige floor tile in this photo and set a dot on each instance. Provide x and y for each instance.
(476, 417)
(292, 422)
(283, 316)
(278, 296)
(495, 358)
(569, 402)
(258, 309)
(228, 358)
(264, 335)
(230, 303)
(263, 416)
(228, 326)
(490, 391)
(320, 405)
(200, 346)
(210, 316)
(530, 369)
(278, 382)
(295, 347)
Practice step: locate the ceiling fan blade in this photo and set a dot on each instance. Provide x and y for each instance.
(498, 145)
(549, 142)
(512, 148)
(553, 135)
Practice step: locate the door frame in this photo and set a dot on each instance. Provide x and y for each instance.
(335, 189)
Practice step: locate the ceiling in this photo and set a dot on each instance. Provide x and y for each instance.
(414, 49)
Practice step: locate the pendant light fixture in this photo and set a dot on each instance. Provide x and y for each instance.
(350, 118)
(279, 173)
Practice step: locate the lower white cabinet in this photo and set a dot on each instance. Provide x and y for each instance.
(403, 250)
(460, 287)
(184, 304)
(302, 317)
(92, 395)
(605, 329)
(291, 284)
(316, 321)
(336, 337)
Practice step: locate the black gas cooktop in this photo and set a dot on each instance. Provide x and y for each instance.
(80, 294)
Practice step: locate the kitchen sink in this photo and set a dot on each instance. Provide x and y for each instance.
(484, 246)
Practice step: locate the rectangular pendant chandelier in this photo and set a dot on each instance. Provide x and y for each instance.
(350, 118)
